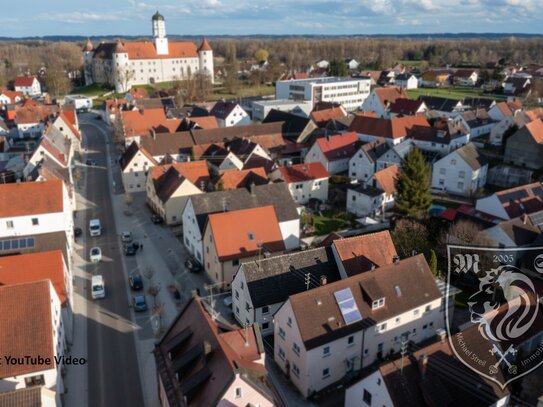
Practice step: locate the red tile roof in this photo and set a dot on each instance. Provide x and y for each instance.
(234, 179)
(147, 50)
(194, 171)
(12, 95)
(338, 147)
(387, 128)
(205, 46)
(535, 128)
(140, 122)
(303, 172)
(26, 268)
(205, 122)
(359, 253)
(53, 151)
(236, 234)
(322, 117)
(406, 107)
(70, 123)
(387, 179)
(24, 81)
(390, 94)
(31, 198)
(27, 329)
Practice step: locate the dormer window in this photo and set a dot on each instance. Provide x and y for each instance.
(378, 303)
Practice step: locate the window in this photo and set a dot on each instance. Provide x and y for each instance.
(289, 321)
(442, 171)
(295, 370)
(295, 348)
(235, 262)
(325, 373)
(35, 222)
(34, 381)
(265, 326)
(238, 392)
(211, 238)
(281, 353)
(247, 306)
(237, 310)
(416, 312)
(281, 332)
(350, 340)
(367, 397)
(462, 174)
(380, 328)
(398, 320)
(460, 185)
(9, 224)
(265, 309)
(236, 294)
(378, 382)
(326, 351)
(378, 303)
(453, 162)
(427, 309)
(354, 198)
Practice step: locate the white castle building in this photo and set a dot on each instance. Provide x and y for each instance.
(124, 64)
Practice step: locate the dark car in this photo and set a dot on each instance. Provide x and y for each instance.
(192, 265)
(135, 281)
(78, 232)
(131, 249)
(139, 303)
(156, 219)
(91, 162)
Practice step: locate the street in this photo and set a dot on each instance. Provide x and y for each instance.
(113, 373)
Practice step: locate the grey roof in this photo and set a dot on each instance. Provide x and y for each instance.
(276, 195)
(279, 277)
(439, 103)
(367, 190)
(472, 157)
(404, 148)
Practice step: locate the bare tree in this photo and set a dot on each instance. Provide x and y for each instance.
(57, 81)
(118, 129)
(124, 77)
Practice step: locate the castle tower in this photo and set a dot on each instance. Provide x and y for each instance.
(159, 34)
(121, 73)
(205, 54)
(88, 53)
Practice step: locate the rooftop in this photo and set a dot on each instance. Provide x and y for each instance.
(47, 197)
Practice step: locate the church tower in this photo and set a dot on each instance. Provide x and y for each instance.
(88, 53)
(159, 34)
(205, 56)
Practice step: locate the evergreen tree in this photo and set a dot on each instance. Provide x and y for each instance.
(432, 263)
(338, 68)
(413, 185)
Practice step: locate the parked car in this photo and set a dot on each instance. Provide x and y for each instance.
(192, 265)
(139, 303)
(126, 237)
(156, 219)
(91, 163)
(130, 249)
(135, 281)
(78, 232)
(95, 254)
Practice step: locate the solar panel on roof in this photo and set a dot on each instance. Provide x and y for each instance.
(513, 196)
(347, 306)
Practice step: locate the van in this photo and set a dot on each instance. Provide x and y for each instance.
(98, 288)
(94, 227)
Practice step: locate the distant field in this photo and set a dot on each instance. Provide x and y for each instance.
(219, 92)
(91, 90)
(453, 93)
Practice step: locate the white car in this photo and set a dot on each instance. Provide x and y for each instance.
(95, 254)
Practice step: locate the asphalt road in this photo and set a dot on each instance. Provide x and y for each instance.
(113, 374)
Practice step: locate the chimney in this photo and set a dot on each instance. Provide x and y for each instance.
(442, 335)
(372, 266)
(252, 189)
(524, 219)
(207, 348)
(396, 259)
(423, 365)
(323, 280)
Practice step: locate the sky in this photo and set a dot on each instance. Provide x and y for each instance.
(246, 17)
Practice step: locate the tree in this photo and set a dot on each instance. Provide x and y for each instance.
(203, 86)
(128, 198)
(57, 81)
(410, 235)
(338, 68)
(124, 77)
(231, 80)
(262, 55)
(432, 262)
(118, 129)
(413, 185)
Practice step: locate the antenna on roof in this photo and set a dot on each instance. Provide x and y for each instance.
(307, 280)
(403, 352)
(259, 244)
(223, 202)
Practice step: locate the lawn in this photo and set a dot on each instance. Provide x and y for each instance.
(331, 220)
(220, 92)
(91, 90)
(453, 93)
(414, 63)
